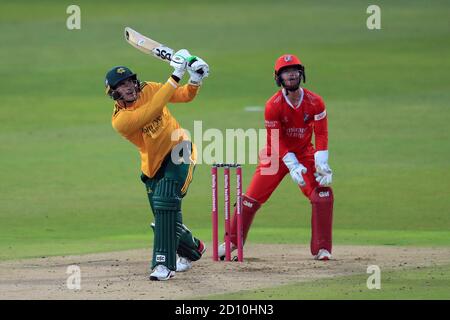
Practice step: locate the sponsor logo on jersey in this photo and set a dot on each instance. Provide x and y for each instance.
(154, 126)
(271, 124)
(320, 116)
(296, 132)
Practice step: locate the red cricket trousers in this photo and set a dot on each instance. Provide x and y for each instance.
(263, 185)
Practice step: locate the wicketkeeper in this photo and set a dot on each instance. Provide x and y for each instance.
(292, 116)
(167, 156)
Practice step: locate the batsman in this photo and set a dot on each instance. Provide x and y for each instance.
(292, 116)
(167, 156)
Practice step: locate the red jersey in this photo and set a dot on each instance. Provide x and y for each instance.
(296, 124)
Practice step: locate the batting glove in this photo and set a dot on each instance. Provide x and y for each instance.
(179, 62)
(198, 70)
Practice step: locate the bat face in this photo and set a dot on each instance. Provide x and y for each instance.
(147, 45)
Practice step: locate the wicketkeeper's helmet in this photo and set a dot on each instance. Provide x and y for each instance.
(288, 60)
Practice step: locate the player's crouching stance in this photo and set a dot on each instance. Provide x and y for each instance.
(296, 113)
(142, 117)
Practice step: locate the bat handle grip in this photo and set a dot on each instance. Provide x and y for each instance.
(192, 61)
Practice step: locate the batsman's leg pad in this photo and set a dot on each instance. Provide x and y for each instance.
(322, 219)
(249, 208)
(167, 206)
(189, 246)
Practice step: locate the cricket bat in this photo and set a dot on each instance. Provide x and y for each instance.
(147, 45)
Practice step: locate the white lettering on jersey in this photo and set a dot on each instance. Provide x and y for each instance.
(320, 116)
(271, 124)
(296, 132)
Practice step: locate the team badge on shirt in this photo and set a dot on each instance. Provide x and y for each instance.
(306, 118)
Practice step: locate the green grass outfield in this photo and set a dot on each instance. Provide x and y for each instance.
(69, 184)
(420, 283)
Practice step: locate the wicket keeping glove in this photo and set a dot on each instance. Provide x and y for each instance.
(198, 70)
(179, 62)
(323, 174)
(296, 169)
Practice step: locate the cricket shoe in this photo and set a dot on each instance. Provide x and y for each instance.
(161, 273)
(323, 255)
(183, 264)
(221, 252)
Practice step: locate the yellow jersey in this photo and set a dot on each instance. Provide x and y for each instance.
(148, 124)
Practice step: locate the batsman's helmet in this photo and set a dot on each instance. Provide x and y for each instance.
(288, 60)
(115, 76)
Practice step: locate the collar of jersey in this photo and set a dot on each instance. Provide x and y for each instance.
(289, 103)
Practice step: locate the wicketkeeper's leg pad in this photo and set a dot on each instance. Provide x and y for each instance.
(249, 208)
(322, 219)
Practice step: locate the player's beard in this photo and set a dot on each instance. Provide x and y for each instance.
(292, 84)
